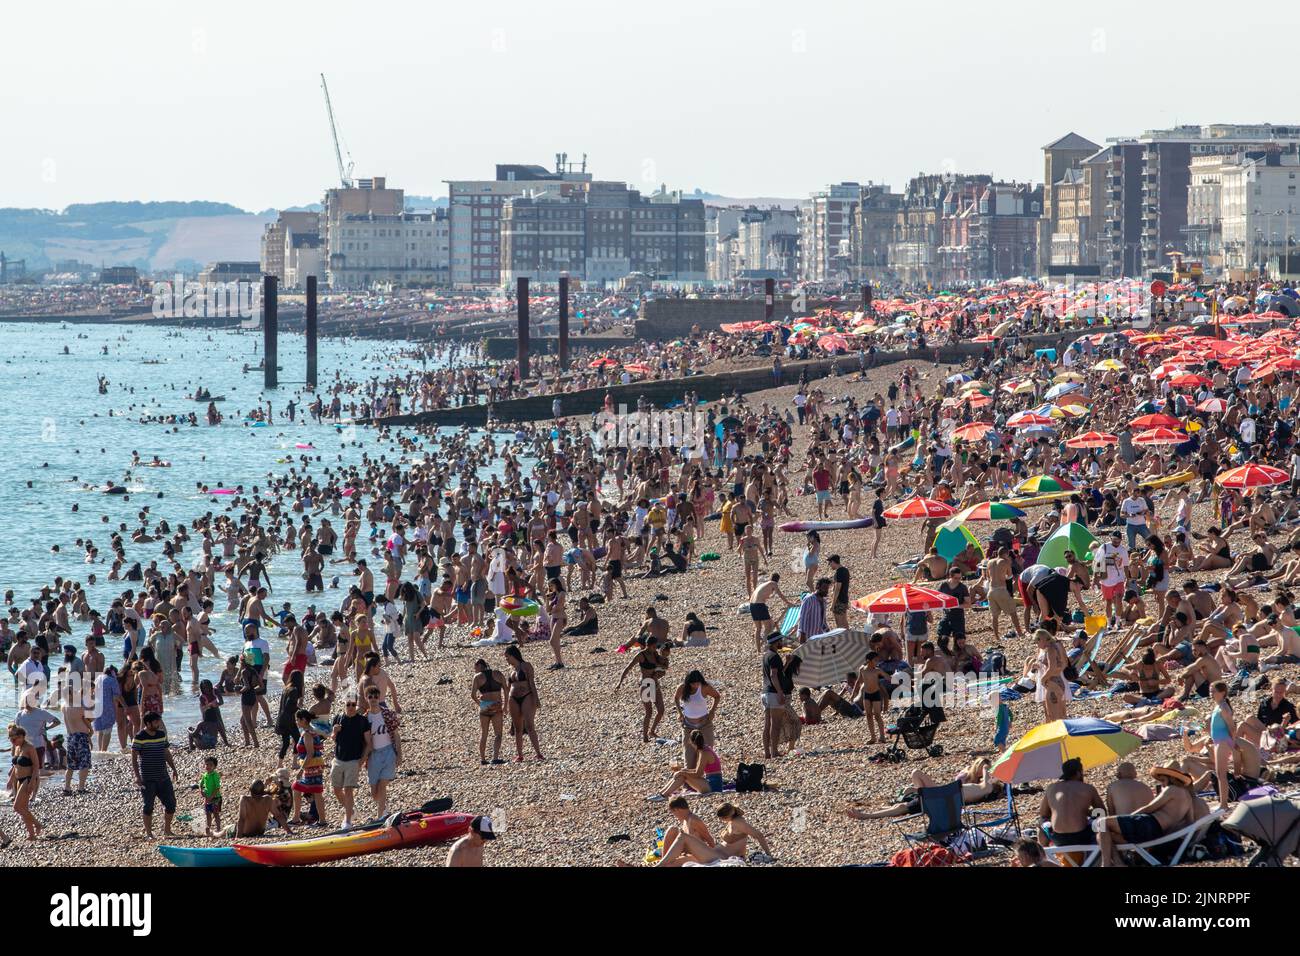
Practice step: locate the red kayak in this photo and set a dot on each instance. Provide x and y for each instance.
(403, 830)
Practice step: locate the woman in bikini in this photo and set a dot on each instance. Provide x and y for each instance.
(486, 693)
(653, 662)
(524, 703)
(23, 768)
(733, 841)
(1049, 671)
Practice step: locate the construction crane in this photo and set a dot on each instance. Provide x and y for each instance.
(345, 173)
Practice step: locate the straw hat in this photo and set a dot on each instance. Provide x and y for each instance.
(1171, 773)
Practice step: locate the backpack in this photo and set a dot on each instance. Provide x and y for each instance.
(749, 778)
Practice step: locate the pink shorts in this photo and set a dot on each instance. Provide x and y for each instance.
(1110, 591)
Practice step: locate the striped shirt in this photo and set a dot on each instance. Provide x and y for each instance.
(152, 748)
(812, 615)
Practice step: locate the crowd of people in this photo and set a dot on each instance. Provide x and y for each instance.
(514, 542)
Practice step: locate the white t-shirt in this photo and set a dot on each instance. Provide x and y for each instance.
(1111, 562)
(1247, 430)
(1134, 510)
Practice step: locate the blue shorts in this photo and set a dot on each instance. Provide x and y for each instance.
(1184, 651)
(381, 765)
(715, 782)
(823, 496)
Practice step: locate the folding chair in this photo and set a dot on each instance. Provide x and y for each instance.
(947, 820)
(1004, 818)
(942, 809)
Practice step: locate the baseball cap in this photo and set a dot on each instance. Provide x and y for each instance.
(483, 827)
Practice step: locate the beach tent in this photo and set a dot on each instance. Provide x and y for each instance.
(1071, 536)
(952, 542)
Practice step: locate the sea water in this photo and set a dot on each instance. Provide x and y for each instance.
(58, 433)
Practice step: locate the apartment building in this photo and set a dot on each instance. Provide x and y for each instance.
(601, 232)
(826, 233)
(1157, 167)
(277, 239)
(1260, 210)
(475, 212)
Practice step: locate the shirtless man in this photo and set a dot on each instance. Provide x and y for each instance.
(614, 567)
(1001, 599)
(1126, 793)
(759, 610)
(1201, 673)
(312, 565)
(255, 808)
(1067, 805)
(933, 568)
(1173, 809)
(468, 850)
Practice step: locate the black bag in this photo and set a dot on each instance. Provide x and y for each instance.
(749, 778)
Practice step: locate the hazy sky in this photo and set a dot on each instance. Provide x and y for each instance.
(222, 101)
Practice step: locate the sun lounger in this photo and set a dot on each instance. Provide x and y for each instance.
(1184, 839)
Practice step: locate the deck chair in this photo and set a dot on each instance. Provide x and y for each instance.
(1181, 841)
(1119, 657)
(790, 619)
(1088, 669)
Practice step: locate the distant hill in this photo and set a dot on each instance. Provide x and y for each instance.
(148, 235)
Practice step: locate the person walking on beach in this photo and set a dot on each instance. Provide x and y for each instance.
(383, 754)
(351, 733)
(151, 758)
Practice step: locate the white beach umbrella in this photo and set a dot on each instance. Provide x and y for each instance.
(828, 657)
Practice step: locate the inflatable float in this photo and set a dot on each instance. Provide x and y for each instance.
(842, 525)
(193, 856)
(401, 830)
(1155, 483)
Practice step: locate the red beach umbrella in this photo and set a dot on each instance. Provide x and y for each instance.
(904, 597)
(918, 507)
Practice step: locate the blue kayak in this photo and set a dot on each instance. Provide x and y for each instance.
(203, 856)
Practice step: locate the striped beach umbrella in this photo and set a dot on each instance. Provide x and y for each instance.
(1026, 419)
(1043, 484)
(1252, 476)
(904, 597)
(919, 507)
(1038, 755)
(828, 657)
(989, 511)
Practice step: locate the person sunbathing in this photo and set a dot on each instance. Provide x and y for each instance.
(977, 785)
(1172, 809)
(733, 841)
